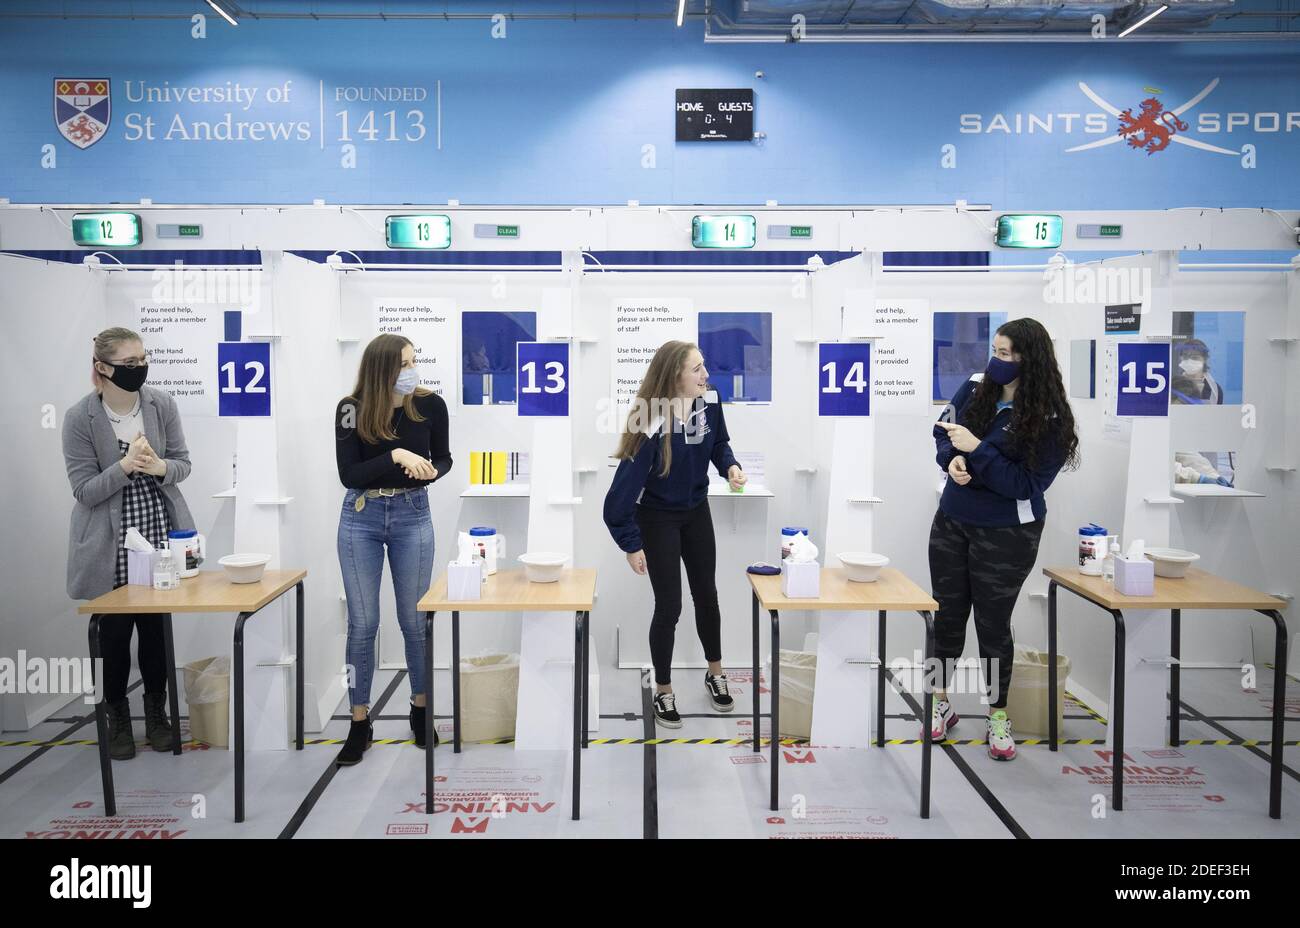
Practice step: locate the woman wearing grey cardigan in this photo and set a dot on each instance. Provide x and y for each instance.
(125, 453)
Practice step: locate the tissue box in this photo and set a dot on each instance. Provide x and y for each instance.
(464, 581)
(800, 581)
(1135, 576)
(139, 567)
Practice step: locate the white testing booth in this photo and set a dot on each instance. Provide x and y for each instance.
(316, 283)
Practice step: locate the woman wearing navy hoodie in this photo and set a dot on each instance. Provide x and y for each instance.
(1004, 438)
(657, 509)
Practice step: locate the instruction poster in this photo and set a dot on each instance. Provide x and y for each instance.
(640, 327)
(431, 325)
(900, 356)
(181, 339)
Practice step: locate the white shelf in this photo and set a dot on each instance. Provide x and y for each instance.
(1198, 490)
(565, 501)
(753, 491)
(865, 499)
(273, 501)
(1162, 501)
(1280, 468)
(225, 494)
(507, 490)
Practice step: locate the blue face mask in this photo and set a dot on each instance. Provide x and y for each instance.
(407, 381)
(1002, 372)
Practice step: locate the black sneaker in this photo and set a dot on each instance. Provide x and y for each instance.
(666, 710)
(717, 687)
(359, 737)
(417, 726)
(121, 739)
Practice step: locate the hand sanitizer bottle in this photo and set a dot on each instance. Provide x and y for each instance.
(1108, 565)
(165, 575)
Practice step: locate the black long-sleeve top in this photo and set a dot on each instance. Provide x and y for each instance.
(365, 466)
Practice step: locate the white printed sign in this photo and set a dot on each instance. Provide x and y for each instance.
(640, 327)
(181, 339)
(431, 325)
(901, 358)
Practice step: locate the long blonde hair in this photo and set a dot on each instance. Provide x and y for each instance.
(658, 389)
(106, 342)
(373, 395)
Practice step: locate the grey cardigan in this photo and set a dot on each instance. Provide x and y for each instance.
(91, 454)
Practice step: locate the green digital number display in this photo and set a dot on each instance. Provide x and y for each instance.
(1029, 230)
(724, 231)
(106, 230)
(418, 231)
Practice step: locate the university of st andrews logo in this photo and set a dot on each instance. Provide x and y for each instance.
(82, 109)
(1151, 130)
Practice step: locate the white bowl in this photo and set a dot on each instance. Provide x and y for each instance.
(862, 566)
(543, 566)
(244, 568)
(1171, 562)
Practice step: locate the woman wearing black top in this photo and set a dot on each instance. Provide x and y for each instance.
(391, 443)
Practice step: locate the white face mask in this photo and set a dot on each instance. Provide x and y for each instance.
(1191, 365)
(407, 381)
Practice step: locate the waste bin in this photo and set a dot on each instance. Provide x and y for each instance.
(489, 695)
(1027, 699)
(798, 677)
(207, 694)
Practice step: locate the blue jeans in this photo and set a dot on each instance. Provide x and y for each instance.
(401, 522)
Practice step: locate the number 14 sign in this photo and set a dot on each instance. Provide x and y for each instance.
(844, 379)
(1143, 373)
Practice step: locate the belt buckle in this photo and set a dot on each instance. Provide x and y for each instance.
(387, 491)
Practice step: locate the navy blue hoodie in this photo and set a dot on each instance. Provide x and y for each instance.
(686, 486)
(1004, 490)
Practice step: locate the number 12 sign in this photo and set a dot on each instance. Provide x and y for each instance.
(543, 377)
(244, 377)
(844, 379)
(1143, 379)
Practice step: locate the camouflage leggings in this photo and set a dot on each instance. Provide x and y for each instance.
(982, 567)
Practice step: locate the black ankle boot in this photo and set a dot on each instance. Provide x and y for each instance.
(417, 726)
(360, 734)
(121, 739)
(157, 724)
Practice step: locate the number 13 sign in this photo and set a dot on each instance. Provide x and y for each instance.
(543, 377)
(1143, 379)
(244, 376)
(844, 379)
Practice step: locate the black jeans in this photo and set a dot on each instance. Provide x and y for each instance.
(115, 645)
(984, 568)
(671, 537)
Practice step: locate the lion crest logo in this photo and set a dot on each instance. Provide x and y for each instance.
(1152, 129)
(82, 109)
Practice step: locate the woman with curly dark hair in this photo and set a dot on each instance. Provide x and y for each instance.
(1002, 441)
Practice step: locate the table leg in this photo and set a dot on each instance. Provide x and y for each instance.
(586, 677)
(1117, 717)
(577, 710)
(757, 747)
(455, 681)
(299, 657)
(1279, 713)
(927, 742)
(173, 698)
(880, 679)
(428, 713)
(101, 718)
(239, 714)
(776, 704)
(1052, 733)
(1175, 700)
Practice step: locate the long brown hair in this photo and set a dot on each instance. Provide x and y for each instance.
(106, 342)
(373, 395)
(658, 389)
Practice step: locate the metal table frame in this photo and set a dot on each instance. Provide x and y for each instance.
(581, 699)
(1117, 707)
(775, 740)
(101, 714)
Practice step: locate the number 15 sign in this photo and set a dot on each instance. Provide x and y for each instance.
(1143, 372)
(844, 379)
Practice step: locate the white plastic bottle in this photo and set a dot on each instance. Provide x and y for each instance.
(1108, 565)
(165, 575)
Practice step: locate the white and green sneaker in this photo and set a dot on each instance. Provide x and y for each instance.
(1001, 745)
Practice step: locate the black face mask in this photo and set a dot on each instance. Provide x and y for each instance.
(129, 379)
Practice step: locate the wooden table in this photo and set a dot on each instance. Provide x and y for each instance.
(207, 591)
(510, 591)
(892, 592)
(1198, 590)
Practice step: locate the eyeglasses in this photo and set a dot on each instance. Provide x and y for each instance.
(129, 363)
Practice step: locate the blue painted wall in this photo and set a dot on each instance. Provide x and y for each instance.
(560, 113)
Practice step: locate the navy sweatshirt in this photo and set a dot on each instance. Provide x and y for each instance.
(1003, 489)
(637, 479)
